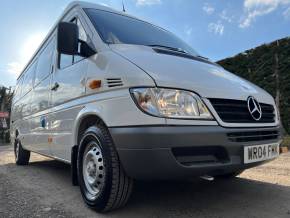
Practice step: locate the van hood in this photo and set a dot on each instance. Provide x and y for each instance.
(207, 80)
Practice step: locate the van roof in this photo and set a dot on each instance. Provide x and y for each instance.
(83, 4)
(72, 5)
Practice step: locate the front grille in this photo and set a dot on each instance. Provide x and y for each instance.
(236, 111)
(253, 136)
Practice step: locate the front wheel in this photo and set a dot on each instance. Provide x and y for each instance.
(22, 156)
(103, 183)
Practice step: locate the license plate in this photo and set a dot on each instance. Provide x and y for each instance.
(256, 153)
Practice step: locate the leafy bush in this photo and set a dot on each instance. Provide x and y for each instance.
(268, 66)
(286, 142)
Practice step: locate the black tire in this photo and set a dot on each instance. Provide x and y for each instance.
(22, 156)
(229, 175)
(116, 186)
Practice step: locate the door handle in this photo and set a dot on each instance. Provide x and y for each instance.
(55, 86)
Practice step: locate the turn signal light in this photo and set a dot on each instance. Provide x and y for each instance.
(49, 140)
(95, 84)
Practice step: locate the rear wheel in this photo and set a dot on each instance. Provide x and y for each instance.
(22, 156)
(103, 182)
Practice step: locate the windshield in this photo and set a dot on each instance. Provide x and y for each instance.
(119, 29)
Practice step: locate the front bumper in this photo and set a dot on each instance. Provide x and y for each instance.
(180, 152)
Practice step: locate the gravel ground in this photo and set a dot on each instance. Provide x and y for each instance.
(43, 189)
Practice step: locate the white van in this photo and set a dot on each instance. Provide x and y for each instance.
(120, 99)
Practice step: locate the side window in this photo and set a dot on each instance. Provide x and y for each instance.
(82, 36)
(18, 89)
(28, 78)
(45, 62)
(68, 60)
(65, 61)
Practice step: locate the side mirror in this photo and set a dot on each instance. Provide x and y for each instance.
(67, 38)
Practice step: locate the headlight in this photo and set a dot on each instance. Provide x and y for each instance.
(170, 103)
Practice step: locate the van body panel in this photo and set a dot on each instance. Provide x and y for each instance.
(39, 135)
(70, 82)
(74, 97)
(115, 109)
(61, 128)
(205, 79)
(48, 117)
(107, 65)
(39, 124)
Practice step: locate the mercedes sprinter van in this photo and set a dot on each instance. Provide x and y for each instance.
(121, 99)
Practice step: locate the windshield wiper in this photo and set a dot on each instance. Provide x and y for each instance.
(170, 48)
(202, 57)
(182, 53)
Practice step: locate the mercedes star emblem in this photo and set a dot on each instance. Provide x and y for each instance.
(254, 108)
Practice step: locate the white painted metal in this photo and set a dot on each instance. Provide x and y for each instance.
(52, 130)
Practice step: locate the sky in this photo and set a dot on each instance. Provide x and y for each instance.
(215, 28)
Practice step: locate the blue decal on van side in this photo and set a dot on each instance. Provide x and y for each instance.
(42, 122)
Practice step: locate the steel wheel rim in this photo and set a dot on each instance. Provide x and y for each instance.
(93, 170)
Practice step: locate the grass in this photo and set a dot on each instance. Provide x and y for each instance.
(286, 141)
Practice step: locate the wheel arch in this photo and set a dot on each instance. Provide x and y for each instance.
(83, 121)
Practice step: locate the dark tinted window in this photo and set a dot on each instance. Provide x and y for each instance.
(45, 61)
(120, 29)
